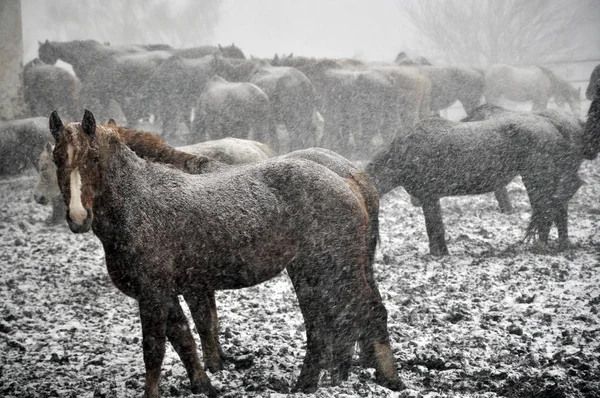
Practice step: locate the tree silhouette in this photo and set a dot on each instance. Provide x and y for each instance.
(484, 32)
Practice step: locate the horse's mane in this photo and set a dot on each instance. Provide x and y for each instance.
(154, 148)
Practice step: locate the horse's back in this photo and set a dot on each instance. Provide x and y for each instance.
(231, 150)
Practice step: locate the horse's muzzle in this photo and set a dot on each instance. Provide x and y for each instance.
(80, 228)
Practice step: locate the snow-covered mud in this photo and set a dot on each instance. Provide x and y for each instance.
(493, 319)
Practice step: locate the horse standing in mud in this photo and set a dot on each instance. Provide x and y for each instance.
(444, 158)
(535, 83)
(297, 215)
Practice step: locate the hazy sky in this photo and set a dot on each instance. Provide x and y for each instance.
(334, 28)
(373, 29)
(367, 29)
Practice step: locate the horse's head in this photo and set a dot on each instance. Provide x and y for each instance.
(46, 185)
(591, 130)
(47, 53)
(76, 158)
(232, 51)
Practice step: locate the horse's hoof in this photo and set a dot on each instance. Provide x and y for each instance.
(304, 389)
(214, 367)
(204, 387)
(393, 384)
(565, 245)
(539, 247)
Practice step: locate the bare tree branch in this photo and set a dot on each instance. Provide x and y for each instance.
(483, 32)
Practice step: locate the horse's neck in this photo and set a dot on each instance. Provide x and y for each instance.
(121, 173)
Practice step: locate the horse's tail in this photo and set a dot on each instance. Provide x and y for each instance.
(370, 196)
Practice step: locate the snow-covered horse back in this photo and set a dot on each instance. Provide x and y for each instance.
(166, 233)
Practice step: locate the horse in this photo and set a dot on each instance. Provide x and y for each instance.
(207, 243)
(291, 94)
(356, 103)
(151, 146)
(49, 87)
(236, 110)
(120, 78)
(444, 158)
(534, 83)
(594, 83)
(172, 92)
(83, 55)
(591, 130)
(21, 142)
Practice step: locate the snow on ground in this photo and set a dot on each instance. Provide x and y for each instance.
(492, 319)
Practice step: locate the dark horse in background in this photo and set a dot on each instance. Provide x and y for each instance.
(49, 87)
(535, 83)
(449, 83)
(591, 130)
(133, 202)
(592, 88)
(444, 158)
(118, 72)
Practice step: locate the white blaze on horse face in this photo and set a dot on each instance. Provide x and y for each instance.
(77, 212)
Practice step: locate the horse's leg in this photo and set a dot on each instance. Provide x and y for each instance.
(204, 312)
(59, 210)
(317, 347)
(562, 225)
(503, 199)
(539, 104)
(435, 226)
(153, 315)
(543, 206)
(180, 336)
(568, 187)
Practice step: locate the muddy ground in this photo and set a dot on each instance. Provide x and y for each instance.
(493, 319)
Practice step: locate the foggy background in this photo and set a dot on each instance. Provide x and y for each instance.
(477, 32)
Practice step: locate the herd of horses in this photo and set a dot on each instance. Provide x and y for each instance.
(228, 213)
(346, 105)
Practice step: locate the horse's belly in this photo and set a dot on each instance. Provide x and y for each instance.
(243, 267)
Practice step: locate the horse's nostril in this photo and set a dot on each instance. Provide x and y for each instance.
(40, 199)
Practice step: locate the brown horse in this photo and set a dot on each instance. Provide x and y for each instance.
(166, 233)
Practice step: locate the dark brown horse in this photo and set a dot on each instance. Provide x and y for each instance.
(591, 130)
(206, 243)
(443, 158)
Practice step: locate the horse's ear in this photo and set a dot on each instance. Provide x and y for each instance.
(111, 122)
(55, 125)
(88, 123)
